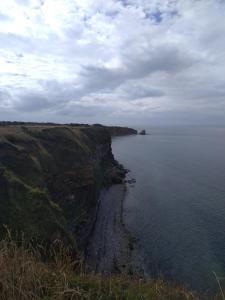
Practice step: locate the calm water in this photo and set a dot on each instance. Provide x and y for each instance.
(176, 209)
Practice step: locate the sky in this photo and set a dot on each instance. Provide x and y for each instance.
(113, 61)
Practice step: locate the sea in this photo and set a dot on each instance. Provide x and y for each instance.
(176, 208)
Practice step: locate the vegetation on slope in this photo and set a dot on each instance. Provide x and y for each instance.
(28, 272)
(50, 179)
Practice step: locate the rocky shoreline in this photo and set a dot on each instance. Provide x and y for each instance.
(111, 248)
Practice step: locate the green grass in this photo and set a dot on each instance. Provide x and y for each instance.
(40, 168)
(28, 209)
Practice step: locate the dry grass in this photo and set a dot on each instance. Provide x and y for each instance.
(24, 274)
(52, 273)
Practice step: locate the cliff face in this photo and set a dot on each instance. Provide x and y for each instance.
(51, 177)
(119, 131)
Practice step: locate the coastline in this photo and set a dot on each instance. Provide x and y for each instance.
(71, 184)
(110, 247)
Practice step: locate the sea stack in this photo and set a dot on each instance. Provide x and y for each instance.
(142, 132)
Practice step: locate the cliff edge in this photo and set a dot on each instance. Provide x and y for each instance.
(51, 177)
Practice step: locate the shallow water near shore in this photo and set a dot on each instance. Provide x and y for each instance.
(176, 208)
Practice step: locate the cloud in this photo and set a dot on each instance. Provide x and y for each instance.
(160, 59)
(4, 17)
(3, 96)
(32, 102)
(134, 91)
(112, 60)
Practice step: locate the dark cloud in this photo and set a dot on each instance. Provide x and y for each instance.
(155, 16)
(102, 78)
(125, 2)
(139, 92)
(162, 59)
(32, 103)
(165, 58)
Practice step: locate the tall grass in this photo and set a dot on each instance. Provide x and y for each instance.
(28, 272)
(35, 272)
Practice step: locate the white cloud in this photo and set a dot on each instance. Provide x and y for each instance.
(130, 59)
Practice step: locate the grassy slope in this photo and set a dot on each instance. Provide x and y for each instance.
(25, 202)
(48, 175)
(25, 275)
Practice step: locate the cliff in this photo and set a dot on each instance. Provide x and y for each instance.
(120, 131)
(113, 130)
(50, 180)
(51, 177)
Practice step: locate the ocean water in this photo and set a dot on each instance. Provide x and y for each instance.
(176, 208)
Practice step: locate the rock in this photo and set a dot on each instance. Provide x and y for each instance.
(115, 174)
(131, 181)
(142, 132)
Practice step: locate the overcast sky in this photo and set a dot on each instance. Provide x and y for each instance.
(113, 61)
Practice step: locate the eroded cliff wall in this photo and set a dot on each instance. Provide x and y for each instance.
(51, 177)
